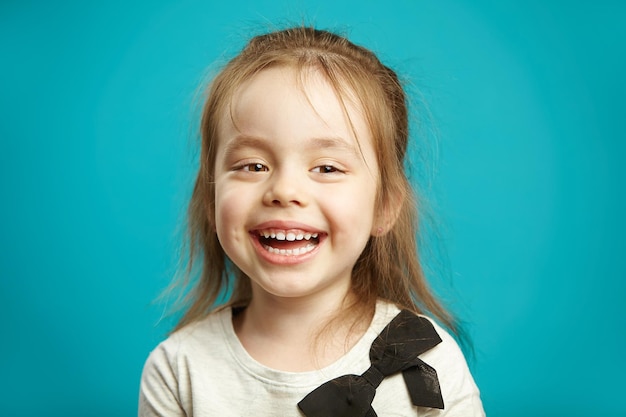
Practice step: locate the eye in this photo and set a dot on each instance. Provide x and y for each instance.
(254, 167)
(326, 169)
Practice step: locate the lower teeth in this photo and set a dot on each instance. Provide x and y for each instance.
(290, 252)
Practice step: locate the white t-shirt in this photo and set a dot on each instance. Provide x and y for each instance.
(203, 370)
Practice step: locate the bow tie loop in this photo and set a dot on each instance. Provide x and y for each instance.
(348, 395)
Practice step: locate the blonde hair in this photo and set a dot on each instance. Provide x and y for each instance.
(389, 267)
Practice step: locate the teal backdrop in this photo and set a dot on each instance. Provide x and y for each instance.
(98, 104)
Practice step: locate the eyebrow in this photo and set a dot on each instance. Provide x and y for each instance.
(244, 141)
(337, 143)
(334, 143)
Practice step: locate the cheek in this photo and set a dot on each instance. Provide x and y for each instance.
(227, 214)
(353, 210)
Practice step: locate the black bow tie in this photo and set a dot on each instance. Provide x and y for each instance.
(396, 349)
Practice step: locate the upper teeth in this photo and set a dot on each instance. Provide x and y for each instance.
(290, 236)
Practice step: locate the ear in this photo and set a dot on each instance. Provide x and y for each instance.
(388, 214)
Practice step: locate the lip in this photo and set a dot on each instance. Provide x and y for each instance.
(285, 225)
(276, 258)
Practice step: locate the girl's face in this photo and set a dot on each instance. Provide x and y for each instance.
(294, 190)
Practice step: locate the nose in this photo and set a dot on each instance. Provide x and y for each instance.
(285, 188)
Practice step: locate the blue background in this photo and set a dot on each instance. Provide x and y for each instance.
(97, 127)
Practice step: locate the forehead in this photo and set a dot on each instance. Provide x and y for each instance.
(285, 101)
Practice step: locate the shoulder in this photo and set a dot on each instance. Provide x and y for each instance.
(443, 350)
(167, 373)
(420, 325)
(200, 337)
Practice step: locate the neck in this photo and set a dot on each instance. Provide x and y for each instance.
(291, 334)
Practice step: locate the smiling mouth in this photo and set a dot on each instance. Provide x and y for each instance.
(288, 242)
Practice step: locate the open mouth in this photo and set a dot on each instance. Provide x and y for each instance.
(288, 242)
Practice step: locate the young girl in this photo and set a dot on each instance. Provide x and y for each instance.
(303, 216)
